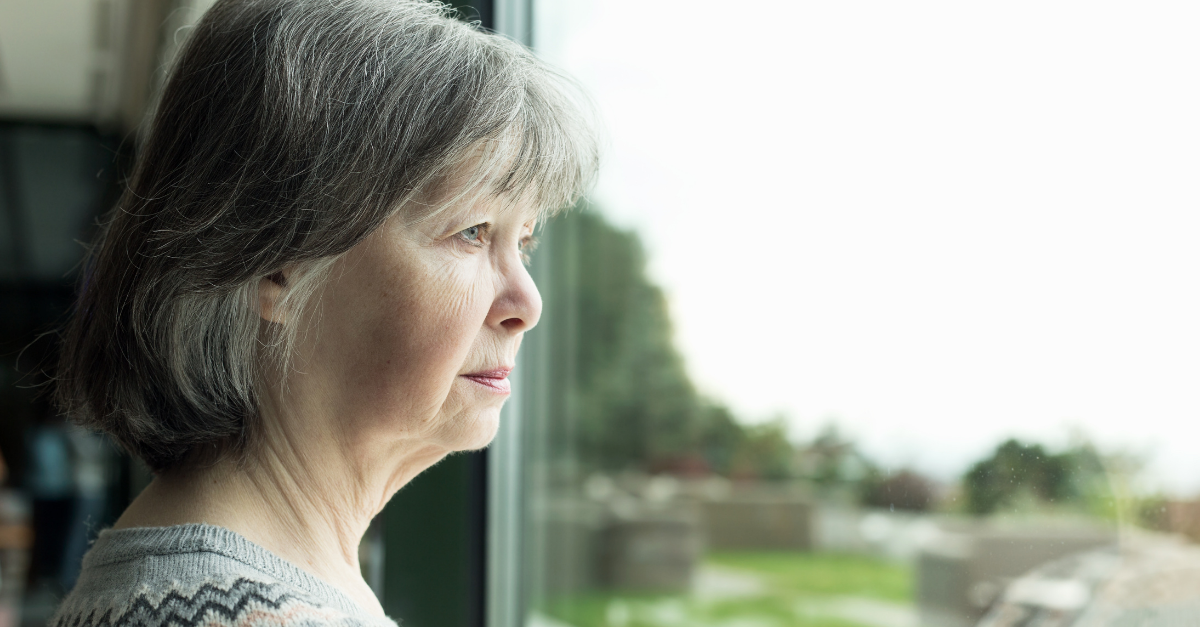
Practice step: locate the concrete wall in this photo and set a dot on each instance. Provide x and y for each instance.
(758, 521)
(567, 545)
(588, 546)
(629, 541)
(651, 552)
(962, 573)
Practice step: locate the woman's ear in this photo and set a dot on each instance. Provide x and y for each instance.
(270, 296)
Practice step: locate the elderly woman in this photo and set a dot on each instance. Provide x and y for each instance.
(313, 289)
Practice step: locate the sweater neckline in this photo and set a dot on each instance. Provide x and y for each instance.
(118, 545)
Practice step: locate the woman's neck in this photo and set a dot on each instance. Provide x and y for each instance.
(311, 509)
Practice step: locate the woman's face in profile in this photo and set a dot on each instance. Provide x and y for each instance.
(418, 327)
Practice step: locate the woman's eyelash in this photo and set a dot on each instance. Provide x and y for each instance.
(528, 244)
(475, 235)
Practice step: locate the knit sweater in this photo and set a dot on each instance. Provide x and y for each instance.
(199, 576)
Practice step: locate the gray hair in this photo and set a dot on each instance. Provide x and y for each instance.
(287, 131)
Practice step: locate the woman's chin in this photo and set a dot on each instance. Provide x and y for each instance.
(479, 431)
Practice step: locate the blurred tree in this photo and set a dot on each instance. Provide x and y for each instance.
(1016, 469)
(720, 437)
(1153, 512)
(764, 453)
(833, 462)
(630, 400)
(904, 490)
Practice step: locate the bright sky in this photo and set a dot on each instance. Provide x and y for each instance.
(941, 222)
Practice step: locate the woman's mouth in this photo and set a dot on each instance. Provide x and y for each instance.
(495, 380)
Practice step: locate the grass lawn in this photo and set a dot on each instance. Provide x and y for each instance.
(825, 574)
(794, 586)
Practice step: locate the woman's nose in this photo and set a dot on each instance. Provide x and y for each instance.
(518, 304)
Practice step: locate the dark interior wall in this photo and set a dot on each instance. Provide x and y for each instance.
(434, 531)
(54, 182)
(24, 314)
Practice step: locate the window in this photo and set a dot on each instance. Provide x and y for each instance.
(881, 314)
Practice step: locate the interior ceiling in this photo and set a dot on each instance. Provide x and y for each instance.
(86, 61)
(50, 57)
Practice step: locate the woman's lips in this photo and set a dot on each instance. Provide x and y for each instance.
(494, 380)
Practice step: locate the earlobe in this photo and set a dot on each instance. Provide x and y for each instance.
(270, 295)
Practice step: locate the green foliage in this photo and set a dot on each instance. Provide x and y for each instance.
(602, 610)
(630, 399)
(630, 396)
(721, 437)
(1152, 512)
(1017, 471)
(904, 490)
(835, 466)
(831, 574)
(763, 452)
(796, 590)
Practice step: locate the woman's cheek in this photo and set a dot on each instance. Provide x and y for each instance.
(446, 324)
(421, 335)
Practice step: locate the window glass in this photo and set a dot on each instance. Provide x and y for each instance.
(880, 314)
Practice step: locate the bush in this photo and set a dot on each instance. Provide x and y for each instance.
(905, 490)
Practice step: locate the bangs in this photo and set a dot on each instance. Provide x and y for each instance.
(543, 150)
(552, 148)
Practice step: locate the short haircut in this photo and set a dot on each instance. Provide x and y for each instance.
(288, 131)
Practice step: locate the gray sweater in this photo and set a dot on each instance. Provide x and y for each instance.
(199, 576)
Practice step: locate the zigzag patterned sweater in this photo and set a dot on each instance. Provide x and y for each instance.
(199, 576)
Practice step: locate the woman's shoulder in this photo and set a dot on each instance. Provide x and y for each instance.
(193, 575)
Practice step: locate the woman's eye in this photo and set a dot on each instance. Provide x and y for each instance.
(474, 234)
